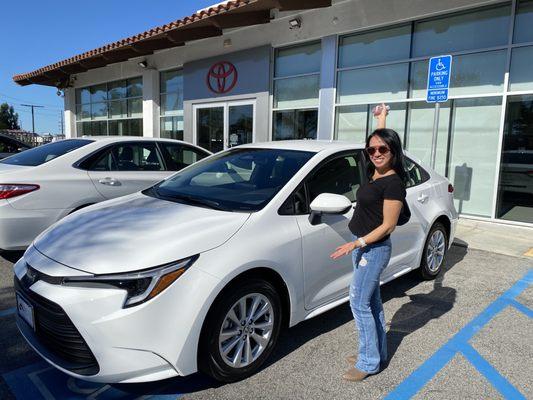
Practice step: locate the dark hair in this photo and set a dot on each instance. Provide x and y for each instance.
(392, 140)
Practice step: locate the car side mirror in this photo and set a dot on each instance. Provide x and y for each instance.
(328, 203)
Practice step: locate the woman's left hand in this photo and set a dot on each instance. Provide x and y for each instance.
(343, 250)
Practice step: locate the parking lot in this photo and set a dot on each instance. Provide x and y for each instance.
(466, 335)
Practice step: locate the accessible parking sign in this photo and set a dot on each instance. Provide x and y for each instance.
(439, 72)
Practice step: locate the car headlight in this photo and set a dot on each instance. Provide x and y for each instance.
(140, 286)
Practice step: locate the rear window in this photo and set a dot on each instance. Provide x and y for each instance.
(40, 155)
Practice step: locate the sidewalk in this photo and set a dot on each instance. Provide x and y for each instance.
(497, 238)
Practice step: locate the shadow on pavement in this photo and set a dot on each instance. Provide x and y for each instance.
(11, 256)
(422, 307)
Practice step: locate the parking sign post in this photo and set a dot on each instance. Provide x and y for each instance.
(439, 73)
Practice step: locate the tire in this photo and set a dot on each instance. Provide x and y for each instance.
(434, 253)
(261, 336)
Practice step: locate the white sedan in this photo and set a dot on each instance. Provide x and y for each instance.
(200, 271)
(40, 186)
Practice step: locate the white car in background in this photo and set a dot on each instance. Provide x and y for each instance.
(200, 271)
(40, 186)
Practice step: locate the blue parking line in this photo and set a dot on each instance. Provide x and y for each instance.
(501, 384)
(9, 311)
(459, 343)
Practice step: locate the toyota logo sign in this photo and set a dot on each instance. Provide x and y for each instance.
(222, 77)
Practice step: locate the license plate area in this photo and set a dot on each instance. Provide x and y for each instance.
(25, 311)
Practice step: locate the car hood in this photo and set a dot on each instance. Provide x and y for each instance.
(136, 232)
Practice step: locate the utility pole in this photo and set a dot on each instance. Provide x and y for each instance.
(61, 115)
(32, 115)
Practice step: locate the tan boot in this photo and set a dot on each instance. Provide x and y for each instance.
(354, 375)
(351, 360)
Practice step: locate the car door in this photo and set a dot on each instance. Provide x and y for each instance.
(127, 167)
(408, 240)
(326, 279)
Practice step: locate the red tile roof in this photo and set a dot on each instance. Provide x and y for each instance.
(205, 23)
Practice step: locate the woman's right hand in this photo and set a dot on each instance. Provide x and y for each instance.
(382, 116)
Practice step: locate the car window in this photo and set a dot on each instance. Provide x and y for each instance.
(239, 180)
(137, 157)
(42, 154)
(341, 175)
(179, 156)
(415, 173)
(102, 161)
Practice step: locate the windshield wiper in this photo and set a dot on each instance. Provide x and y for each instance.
(193, 200)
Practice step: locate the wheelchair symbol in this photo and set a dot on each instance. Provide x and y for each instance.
(440, 66)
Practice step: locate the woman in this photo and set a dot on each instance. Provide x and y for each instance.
(379, 204)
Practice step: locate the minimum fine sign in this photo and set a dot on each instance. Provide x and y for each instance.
(439, 73)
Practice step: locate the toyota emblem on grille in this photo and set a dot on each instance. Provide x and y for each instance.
(222, 77)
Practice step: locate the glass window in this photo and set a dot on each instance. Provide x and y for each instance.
(515, 189)
(523, 22)
(521, 73)
(475, 30)
(395, 118)
(473, 150)
(420, 121)
(375, 47)
(373, 84)
(296, 92)
(339, 176)
(116, 90)
(351, 123)
(172, 128)
(230, 180)
(111, 107)
(137, 157)
(98, 93)
(298, 60)
(295, 124)
(40, 155)
(171, 81)
(102, 161)
(180, 156)
(471, 74)
(416, 175)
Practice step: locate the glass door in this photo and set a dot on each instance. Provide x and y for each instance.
(219, 126)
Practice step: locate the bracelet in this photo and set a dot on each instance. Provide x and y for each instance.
(362, 241)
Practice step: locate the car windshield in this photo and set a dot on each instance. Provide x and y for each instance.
(40, 155)
(235, 180)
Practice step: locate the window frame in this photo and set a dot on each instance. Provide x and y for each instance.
(161, 94)
(162, 151)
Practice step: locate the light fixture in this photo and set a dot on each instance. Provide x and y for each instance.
(143, 64)
(295, 23)
(227, 43)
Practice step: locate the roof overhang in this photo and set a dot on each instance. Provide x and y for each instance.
(206, 23)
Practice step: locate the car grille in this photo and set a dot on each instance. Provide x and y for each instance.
(56, 333)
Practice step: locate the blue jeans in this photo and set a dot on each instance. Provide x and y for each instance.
(365, 302)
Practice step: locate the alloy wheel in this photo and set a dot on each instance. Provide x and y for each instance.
(435, 251)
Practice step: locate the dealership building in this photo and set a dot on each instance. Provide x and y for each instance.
(259, 70)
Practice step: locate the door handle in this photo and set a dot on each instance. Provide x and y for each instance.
(422, 198)
(109, 182)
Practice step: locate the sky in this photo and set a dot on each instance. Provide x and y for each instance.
(36, 33)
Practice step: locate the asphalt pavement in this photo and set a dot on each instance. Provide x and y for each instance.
(465, 335)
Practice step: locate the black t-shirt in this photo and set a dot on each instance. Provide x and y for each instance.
(368, 214)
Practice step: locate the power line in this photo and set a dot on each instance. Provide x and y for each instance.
(48, 105)
(32, 116)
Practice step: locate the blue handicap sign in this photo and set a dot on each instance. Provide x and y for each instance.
(439, 72)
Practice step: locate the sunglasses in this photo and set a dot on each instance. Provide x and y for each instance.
(381, 149)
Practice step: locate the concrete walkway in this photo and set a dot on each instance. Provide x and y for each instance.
(504, 239)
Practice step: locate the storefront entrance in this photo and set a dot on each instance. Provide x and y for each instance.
(218, 126)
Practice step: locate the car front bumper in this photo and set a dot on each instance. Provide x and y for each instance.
(152, 341)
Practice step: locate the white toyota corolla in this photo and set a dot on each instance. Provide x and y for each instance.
(202, 270)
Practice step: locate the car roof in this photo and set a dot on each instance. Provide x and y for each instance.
(126, 138)
(306, 145)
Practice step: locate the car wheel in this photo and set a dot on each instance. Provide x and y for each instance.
(434, 253)
(240, 331)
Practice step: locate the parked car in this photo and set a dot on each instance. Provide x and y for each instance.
(10, 146)
(40, 186)
(200, 271)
